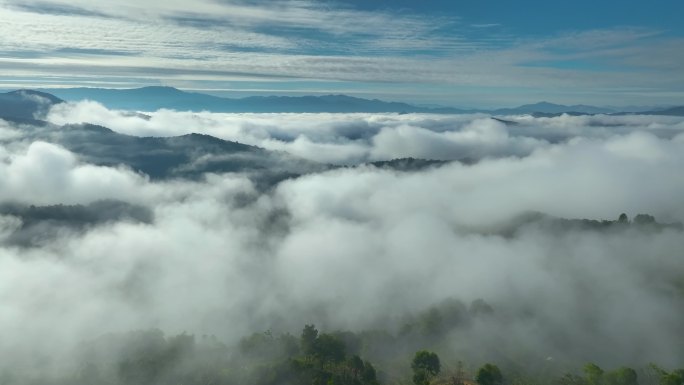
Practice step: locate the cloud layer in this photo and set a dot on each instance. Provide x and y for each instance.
(265, 47)
(362, 247)
(355, 138)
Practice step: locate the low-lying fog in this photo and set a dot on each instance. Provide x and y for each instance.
(359, 247)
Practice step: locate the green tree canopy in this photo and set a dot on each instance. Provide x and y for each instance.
(425, 366)
(622, 376)
(593, 374)
(308, 339)
(329, 348)
(489, 374)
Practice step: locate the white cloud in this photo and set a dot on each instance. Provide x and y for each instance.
(354, 138)
(8, 132)
(48, 174)
(477, 139)
(361, 247)
(132, 42)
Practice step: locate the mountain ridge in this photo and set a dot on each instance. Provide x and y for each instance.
(173, 98)
(188, 156)
(553, 108)
(26, 104)
(153, 98)
(158, 97)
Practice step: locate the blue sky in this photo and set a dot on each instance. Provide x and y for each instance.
(468, 53)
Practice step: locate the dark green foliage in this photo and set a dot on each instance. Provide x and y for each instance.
(329, 358)
(676, 377)
(426, 361)
(149, 357)
(594, 375)
(353, 343)
(489, 374)
(39, 223)
(644, 219)
(328, 348)
(425, 366)
(434, 323)
(78, 215)
(266, 345)
(324, 361)
(421, 377)
(571, 379)
(152, 356)
(622, 376)
(643, 222)
(409, 164)
(369, 375)
(308, 340)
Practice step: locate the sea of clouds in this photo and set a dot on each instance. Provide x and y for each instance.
(360, 247)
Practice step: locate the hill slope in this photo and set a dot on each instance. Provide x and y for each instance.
(188, 156)
(154, 98)
(26, 104)
(672, 111)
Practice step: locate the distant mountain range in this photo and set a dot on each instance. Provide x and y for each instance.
(551, 108)
(154, 98)
(672, 111)
(26, 104)
(187, 156)
(193, 155)
(29, 104)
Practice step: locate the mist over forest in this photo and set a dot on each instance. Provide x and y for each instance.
(538, 244)
(341, 192)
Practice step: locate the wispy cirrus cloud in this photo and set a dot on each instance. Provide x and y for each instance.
(294, 19)
(333, 44)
